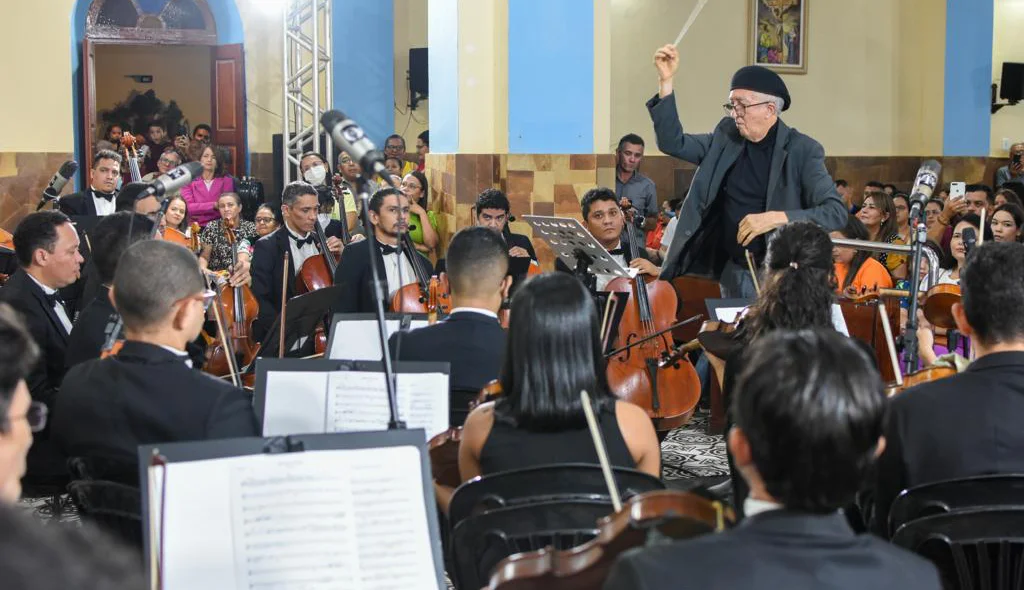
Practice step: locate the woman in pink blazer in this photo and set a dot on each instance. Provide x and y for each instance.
(202, 193)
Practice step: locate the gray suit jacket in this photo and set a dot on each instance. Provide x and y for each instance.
(798, 184)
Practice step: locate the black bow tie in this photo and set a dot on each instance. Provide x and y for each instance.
(385, 249)
(104, 196)
(300, 242)
(53, 298)
(617, 252)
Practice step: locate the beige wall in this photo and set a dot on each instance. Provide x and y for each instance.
(1007, 45)
(180, 73)
(410, 31)
(263, 49)
(35, 65)
(873, 87)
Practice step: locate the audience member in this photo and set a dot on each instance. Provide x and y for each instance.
(630, 184)
(265, 220)
(202, 193)
(1005, 195)
(394, 147)
(878, 214)
(856, 271)
(423, 148)
(1007, 222)
(170, 159)
(1013, 171)
(424, 235)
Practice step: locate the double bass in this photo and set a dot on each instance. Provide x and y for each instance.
(669, 393)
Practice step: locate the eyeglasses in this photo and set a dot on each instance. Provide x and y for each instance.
(35, 416)
(172, 161)
(265, 220)
(412, 186)
(741, 108)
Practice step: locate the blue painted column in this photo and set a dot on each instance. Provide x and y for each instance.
(363, 50)
(968, 78)
(550, 76)
(443, 42)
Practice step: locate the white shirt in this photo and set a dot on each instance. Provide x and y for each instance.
(178, 353)
(478, 310)
(299, 255)
(391, 266)
(103, 206)
(752, 506)
(603, 279)
(57, 307)
(670, 230)
(943, 277)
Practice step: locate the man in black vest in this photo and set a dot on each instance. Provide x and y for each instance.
(149, 393)
(471, 340)
(389, 215)
(809, 412)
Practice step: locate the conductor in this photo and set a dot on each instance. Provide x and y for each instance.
(756, 174)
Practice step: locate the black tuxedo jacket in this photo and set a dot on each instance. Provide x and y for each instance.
(266, 268)
(354, 276)
(472, 343)
(145, 395)
(965, 425)
(28, 299)
(77, 204)
(776, 549)
(92, 327)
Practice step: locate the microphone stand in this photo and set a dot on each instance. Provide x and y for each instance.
(389, 372)
(918, 239)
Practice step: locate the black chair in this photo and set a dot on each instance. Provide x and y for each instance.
(46, 477)
(947, 496)
(480, 541)
(113, 507)
(973, 548)
(510, 488)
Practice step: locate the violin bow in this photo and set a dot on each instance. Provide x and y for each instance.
(889, 342)
(284, 305)
(602, 454)
(981, 230)
(225, 338)
(753, 272)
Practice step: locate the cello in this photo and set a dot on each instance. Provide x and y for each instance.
(425, 292)
(239, 308)
(669, 393)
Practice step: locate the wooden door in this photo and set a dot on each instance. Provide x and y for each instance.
(88, 109)
(228, 88)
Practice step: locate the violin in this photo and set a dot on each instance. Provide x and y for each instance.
(239, 308)
(938, 305)
(176, 236)
(675, 514)
(444, 447)
(669, 393)
(429, 295)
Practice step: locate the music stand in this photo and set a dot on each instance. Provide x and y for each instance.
(301, 316)
(572, 242)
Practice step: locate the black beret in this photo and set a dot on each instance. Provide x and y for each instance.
(761, 79)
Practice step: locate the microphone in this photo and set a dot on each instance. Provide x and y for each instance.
(924, 184)
(970, 238)
(351, 138)
(61, 178)
(173, 180)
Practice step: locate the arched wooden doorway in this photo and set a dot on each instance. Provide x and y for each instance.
(148, 27)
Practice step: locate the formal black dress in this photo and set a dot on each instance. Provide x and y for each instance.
(472, 343)
(776, 549)
(354, 276)
(145, 395)
(508, 448)
(964, 425)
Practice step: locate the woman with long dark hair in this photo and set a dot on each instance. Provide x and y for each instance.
(797, 292)
(203, 193)
(856, 270)
(880, 217)
(424, 236)
(553, 352)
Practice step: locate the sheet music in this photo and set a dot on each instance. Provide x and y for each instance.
(361, 340)
(357, 400)
(294, 402)
(312, 520)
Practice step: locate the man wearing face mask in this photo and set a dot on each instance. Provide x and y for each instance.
(317, 172)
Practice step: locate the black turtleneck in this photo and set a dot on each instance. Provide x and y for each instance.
(745, 191)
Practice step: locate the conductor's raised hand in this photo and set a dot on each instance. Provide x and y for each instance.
(666, 60)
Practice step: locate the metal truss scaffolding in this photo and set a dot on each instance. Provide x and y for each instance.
(307, 79)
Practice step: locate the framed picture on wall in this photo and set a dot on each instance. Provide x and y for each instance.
(778, 35)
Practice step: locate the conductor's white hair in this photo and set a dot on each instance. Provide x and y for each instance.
(777, 101)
